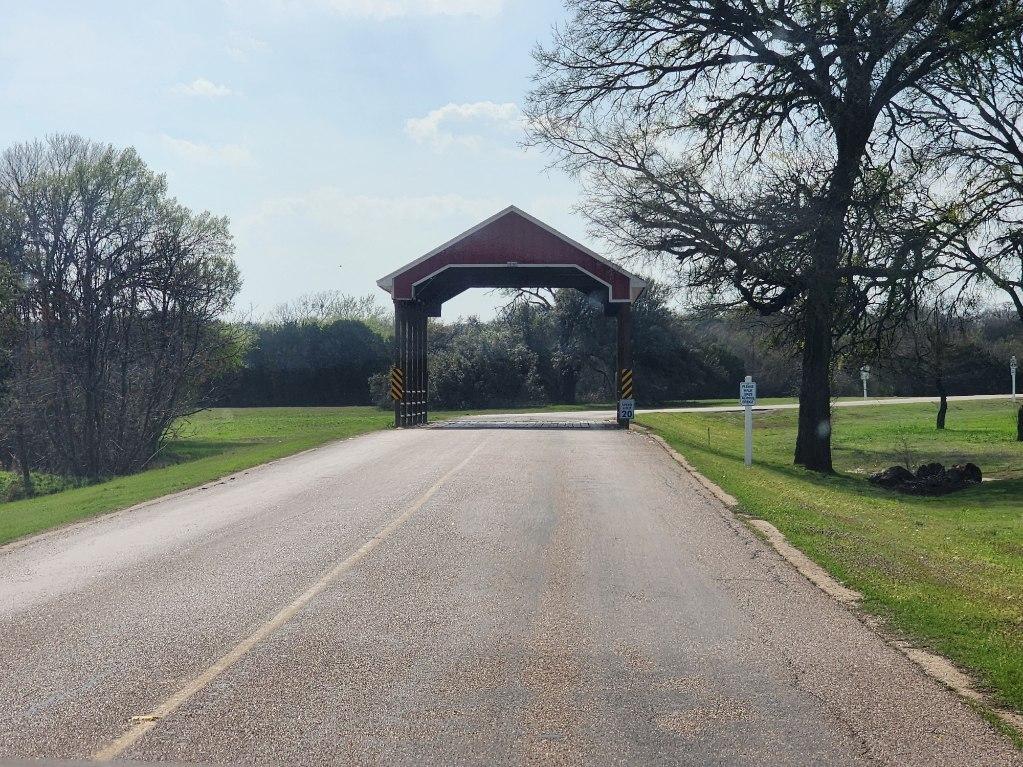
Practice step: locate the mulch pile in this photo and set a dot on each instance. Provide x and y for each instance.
(929, 479)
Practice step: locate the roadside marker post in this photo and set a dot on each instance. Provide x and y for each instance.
(1012, 372)
(865, 376)
(626, 403)
(748, 398)
(626, 409)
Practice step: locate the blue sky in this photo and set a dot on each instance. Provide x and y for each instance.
(342, 137)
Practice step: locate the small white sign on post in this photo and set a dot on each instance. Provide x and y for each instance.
(1012, 372)
(748, 398)
(626, 409)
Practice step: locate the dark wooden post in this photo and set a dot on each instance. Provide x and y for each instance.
(399, 308)
(624, 354)
(409, 340)
(410, 358)
(423, 369)
(410, 392)
(417, 342)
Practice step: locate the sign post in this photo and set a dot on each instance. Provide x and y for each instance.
(748, 398)
(865, 376)
(1012, 372)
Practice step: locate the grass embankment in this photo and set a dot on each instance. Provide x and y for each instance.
(948, 571)
(209, 445)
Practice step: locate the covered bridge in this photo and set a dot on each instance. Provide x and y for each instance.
(511, 249)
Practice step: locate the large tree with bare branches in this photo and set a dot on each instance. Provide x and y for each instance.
(764, 145)
(974, 120)
(120, 295)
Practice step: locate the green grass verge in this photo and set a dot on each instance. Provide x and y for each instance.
(209, 445)
(947, 571)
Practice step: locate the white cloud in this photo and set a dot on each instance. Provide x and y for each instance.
(467, 125)
(234, 155)
(202, 87)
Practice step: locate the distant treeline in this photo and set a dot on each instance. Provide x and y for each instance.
(558, 347)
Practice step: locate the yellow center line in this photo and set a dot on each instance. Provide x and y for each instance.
(143, 724)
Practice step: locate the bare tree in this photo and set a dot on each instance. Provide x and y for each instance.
(926, 346)
(745, 140)
(328, 306)
(122, 290)
(975, 121)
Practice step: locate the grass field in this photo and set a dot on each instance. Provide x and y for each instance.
(209, 445)
(947, 571)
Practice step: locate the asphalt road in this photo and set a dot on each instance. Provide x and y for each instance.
(452, 596)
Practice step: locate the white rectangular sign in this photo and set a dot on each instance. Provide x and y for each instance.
(748, 393)
(626, 409)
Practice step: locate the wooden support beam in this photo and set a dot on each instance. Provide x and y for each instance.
(410, 360)
(623, 376)
(423, 368)
(398, 358)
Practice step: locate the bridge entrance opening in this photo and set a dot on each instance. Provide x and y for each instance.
(511, 249)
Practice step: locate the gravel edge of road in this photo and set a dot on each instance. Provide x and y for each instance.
(935, 666)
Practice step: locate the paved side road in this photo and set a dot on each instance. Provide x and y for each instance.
(590, 415)
(452, 596)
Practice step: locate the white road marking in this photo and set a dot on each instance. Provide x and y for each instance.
(144, 723)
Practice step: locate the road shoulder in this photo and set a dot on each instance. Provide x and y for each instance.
(930, 664)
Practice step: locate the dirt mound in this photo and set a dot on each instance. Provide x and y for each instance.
(929, 479)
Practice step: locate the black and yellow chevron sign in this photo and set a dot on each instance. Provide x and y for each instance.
(626, 383)
(397, 383)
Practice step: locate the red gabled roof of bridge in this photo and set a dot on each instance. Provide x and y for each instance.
(513, 238)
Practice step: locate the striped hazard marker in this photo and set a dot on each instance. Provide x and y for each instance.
(397, 383)
(626, 383)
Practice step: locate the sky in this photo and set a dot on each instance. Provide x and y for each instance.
(343, 138)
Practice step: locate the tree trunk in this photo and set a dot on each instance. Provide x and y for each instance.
(813, 440)
(23, 461)
(943, 407)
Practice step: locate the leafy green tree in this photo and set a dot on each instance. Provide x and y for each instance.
(576, 347)
(475, 364)
(122, 292)
(304, 363)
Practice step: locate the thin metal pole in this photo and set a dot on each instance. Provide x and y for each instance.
(748, 424)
